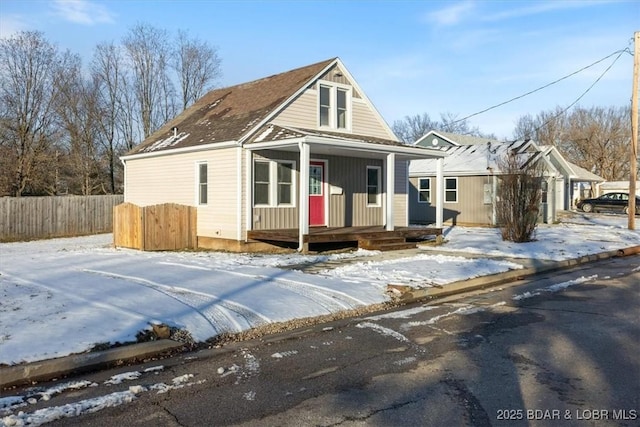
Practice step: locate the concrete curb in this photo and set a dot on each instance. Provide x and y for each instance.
(509, 276)
(53, 368)
(77, 363)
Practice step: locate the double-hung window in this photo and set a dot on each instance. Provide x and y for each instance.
(203, 178)
(273, 183)
(373, 186)
(334, 106)
(451, 190)
(285, 183)
(325, 105)
(261, 178)
(424, 190)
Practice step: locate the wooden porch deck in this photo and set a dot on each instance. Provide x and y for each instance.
(371, 237)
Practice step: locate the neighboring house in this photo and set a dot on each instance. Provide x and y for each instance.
(615, 186)
(470, 175)
(436, 138)
(300, 151)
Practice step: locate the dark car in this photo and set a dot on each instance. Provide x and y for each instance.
(617, 202)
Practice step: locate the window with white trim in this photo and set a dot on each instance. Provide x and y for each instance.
(373, 186)
(451, 190)
(203, 181)
(273, 183)
(261, 177)
(334, 103)
(424, 190)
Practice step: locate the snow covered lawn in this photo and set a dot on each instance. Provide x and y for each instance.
(64, 296)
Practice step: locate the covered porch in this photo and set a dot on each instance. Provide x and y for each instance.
(366, 237)
(351, 203)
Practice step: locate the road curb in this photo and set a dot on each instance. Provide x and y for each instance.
(74, 364)
(48, 369)
(482, 282)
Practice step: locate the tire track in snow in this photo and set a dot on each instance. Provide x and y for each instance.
(74, 297)
(330, 299)
(220, 314)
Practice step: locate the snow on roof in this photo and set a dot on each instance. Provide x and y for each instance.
(474, 159)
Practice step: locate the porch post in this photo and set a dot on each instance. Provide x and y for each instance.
(391, 191)
(303, 191)
(439, 191)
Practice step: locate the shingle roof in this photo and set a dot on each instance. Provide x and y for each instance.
(228, 114)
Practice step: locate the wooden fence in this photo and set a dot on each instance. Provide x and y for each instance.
(155, 228)
(28, 218)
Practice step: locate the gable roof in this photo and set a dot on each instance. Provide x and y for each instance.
(231, 113)
(468, 160)
(571, 170)
(451, 139)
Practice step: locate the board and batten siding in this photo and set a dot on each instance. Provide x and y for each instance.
(173, 179)
(346, 189)
(270, 218)
(470, 208)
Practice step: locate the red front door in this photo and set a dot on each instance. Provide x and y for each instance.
(316, 193)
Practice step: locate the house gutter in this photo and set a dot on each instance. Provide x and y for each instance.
(413, 152)
(171, 151)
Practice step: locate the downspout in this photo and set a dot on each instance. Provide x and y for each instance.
(124, 184)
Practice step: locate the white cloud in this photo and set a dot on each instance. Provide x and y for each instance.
(11, 24)
(452, 15)
(537, 8)
(82, 12)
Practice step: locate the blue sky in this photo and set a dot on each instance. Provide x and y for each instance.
(410, 57)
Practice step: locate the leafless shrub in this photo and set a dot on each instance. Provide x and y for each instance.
(519, 196)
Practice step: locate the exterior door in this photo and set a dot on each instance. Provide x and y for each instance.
(316, 194)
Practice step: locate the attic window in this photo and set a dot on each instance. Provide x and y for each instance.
(334, 106)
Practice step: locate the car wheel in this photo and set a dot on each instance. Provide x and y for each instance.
(626, 210)
(587, 208)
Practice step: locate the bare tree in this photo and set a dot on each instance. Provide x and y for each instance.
(598, 139)
(595, 138)
(412, 128)
(109, 74)
(78, 111)
(518, 196)
(197, 65)
(28, 93)
(148, 50)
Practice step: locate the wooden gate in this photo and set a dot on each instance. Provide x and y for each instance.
(165, 227)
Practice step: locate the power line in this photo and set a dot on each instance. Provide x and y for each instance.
(619, 52)
(583, 93)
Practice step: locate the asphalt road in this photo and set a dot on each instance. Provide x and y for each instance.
(553, 356)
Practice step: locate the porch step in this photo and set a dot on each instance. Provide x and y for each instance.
(385, 244)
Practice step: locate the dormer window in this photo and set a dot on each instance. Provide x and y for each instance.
(333, 106)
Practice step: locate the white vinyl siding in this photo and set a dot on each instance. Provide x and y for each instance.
(203, 175)
(364, 121)
(401, 198)
(303, 113)
(170, 179)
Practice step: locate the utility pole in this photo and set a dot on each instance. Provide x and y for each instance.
(633, 164)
